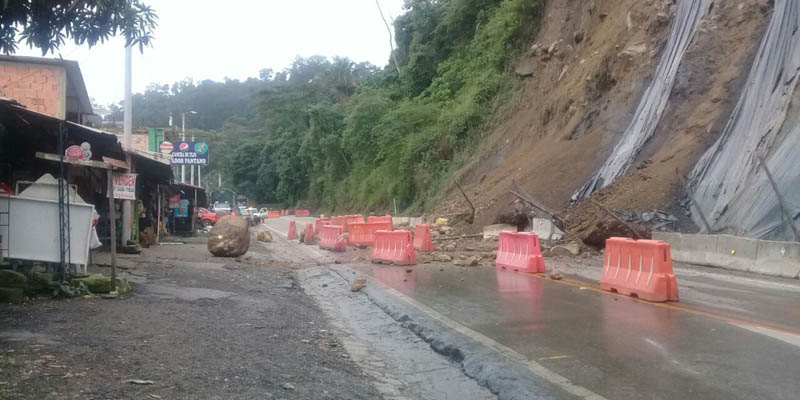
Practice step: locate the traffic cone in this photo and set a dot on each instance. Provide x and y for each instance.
(292, 231)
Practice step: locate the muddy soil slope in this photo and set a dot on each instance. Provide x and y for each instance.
(585, 76)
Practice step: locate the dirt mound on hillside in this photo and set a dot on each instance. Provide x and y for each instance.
(565, 118)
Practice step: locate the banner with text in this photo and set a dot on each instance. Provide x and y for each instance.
(186, 153)
(125, 186)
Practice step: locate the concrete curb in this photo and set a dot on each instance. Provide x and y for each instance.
(736, 253)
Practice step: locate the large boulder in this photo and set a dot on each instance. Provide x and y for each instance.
(229, 237)
(264, 236)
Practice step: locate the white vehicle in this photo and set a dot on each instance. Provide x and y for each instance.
(223, 207)
(262, 213)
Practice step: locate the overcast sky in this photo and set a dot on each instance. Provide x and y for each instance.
(202, 39)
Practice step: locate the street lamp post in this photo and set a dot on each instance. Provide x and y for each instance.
(183, 139)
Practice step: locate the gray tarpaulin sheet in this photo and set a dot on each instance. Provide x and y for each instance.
(654, 100)
(729, 185)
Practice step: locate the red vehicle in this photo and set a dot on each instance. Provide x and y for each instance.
(207, 218)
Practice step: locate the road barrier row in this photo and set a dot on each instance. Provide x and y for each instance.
(364, 232)
(519, 251)
(422, 238)
(394, 247)
(273, 214)
(385, 218)
(332, 237)
(302, 213)
(353, 219)
(338, 221)
(639, 268)
(319, 222)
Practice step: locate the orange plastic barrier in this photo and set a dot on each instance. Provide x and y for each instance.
(519, 251)
(273, 214)
(385, 218)
(352, 219)
(422, 238)
(292, 231)
(301, 213)
(338, 221)
(318, 224)
(394, 246)
(309, 238)
(639, 268)
(364, 232)
(331, 237)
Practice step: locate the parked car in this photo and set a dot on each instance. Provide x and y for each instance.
(206, 217)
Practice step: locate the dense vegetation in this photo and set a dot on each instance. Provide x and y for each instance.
(47, 25)
(337, 135)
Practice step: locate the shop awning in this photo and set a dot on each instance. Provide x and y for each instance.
(152, 166)
(25, 132)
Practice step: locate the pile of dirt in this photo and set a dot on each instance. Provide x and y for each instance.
(566, 116)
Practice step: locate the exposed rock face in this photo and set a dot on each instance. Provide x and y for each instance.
(229, 237)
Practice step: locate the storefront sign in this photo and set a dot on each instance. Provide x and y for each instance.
(173, 200)
(190, 153)
(165, 147)
(84, 151)
(125, 186)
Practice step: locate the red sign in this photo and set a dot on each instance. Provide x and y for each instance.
(183, 146)
(74, 152)
(165, 147)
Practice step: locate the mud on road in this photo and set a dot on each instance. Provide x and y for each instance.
(198, 327)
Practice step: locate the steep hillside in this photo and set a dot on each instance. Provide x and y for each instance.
(592, 62)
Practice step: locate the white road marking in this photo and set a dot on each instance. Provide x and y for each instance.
(281, 234)
(785, 337)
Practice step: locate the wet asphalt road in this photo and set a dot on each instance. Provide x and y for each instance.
(733, 336)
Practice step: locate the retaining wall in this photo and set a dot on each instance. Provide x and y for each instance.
(735, 253)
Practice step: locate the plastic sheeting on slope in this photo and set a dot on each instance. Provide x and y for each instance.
(654, 101)
(729, 184)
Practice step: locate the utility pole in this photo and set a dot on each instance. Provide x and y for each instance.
(128, 124)
(127, 206)
(183, 139)
(191, 168)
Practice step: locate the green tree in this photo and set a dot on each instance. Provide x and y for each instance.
(339, 135)
(47, 24)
